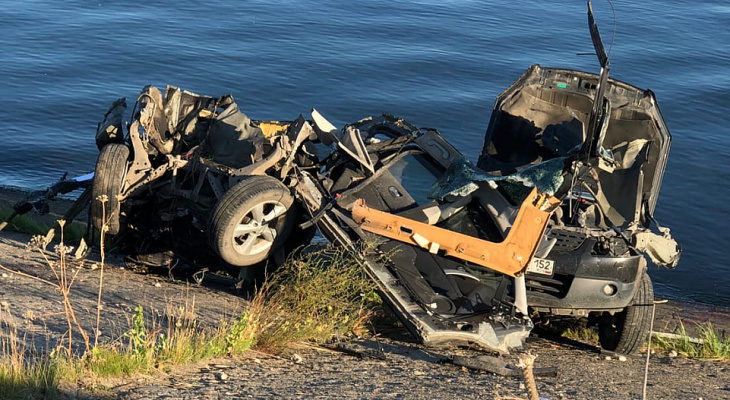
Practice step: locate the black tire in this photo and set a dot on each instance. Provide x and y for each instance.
(626, 331)
(108, 178)
(260, 208)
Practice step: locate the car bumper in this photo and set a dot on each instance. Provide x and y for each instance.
(583, 282)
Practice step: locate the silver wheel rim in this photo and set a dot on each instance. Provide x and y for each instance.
(255, 232)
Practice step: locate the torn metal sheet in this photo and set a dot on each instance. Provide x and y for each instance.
(662, 249)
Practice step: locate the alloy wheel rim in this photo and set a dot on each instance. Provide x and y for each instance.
(255, 232)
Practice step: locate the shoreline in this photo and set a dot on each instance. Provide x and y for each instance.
(689, 311)
(405, 369)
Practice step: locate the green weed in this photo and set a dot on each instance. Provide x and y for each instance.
(711, 345)
(26, 224)
(581, 333)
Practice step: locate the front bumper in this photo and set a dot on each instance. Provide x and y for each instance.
(583, 282)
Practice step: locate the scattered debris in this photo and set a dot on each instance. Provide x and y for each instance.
(497, 366)
(221, 376)
(360, 353)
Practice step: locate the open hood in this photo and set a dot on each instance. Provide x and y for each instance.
(615, 128)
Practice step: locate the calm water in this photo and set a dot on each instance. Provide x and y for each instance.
(436, 63)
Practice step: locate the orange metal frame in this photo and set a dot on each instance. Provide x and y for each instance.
(510, 257)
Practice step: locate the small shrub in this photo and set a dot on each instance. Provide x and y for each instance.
(241, 335)
(315, 297)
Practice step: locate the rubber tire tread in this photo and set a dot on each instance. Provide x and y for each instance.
(110, 168)
(633, 323)
(249, 191)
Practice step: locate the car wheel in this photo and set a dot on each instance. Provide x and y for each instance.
(252, 220)
(626, 331)
(108, 178)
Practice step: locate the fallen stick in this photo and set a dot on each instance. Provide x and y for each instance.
(675, 336)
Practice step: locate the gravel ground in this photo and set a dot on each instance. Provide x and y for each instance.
(411, 372)
(407, 370)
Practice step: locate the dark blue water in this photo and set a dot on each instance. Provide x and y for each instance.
(436, 63)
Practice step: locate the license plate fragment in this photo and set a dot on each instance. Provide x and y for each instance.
(541, 266)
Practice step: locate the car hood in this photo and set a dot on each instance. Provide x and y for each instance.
(545, 115)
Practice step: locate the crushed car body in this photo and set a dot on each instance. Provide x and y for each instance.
(556, 218)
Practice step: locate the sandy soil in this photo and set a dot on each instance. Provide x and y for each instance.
(406, 370)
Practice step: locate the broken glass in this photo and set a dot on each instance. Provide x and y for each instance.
(462, 178)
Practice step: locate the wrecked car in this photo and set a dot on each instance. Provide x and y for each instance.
(192, 170)
(556, 218)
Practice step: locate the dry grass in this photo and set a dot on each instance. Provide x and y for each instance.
(314, 297)
(23, 376)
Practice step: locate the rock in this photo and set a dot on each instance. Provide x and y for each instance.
(608, 358)
(673, 354)
(221, 376)
(296, 358)
(256, 361)
(622, 358)
(5, 275)
(158, 284)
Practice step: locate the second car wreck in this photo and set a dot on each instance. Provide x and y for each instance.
(554, 219)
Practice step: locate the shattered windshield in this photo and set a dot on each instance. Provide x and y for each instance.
(462, 178)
